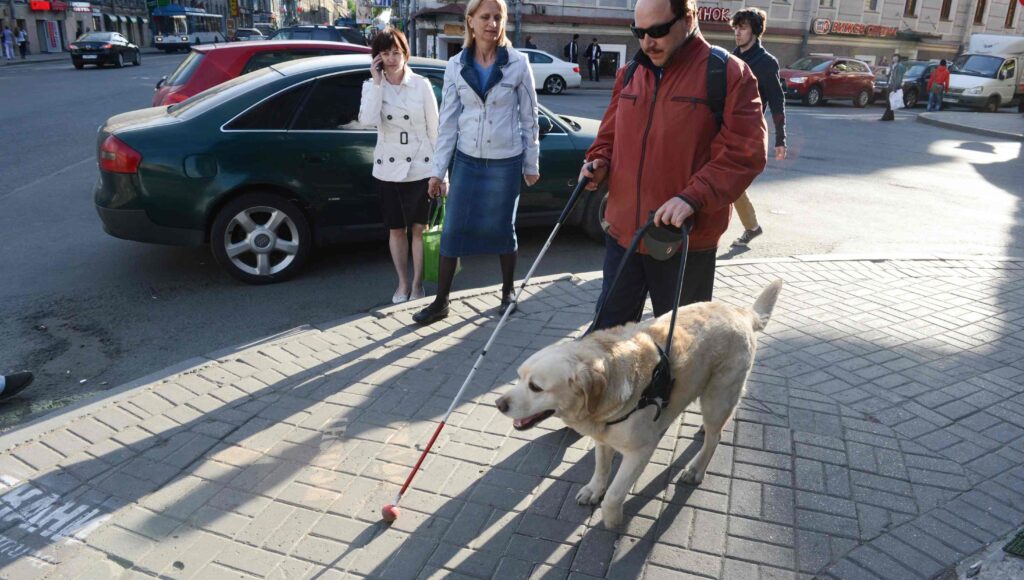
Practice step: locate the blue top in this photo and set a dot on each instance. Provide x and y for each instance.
(483, 75)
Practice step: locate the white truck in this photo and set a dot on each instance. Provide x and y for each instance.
(989, 75)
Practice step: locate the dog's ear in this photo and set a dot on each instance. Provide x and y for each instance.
(591, 378)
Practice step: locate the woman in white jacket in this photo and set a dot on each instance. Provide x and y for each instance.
(401, 104)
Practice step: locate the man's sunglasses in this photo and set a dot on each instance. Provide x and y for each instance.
(656, 31)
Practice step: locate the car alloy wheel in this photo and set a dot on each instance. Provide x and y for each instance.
(862, 100)
(813, 97)
(554, 85)
(261, 238)
(138, 58)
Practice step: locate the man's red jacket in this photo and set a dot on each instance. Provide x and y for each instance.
(660, 140)
(939, 76)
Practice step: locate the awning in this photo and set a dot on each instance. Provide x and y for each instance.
(145, 20)
(133, 19)
(123, 18)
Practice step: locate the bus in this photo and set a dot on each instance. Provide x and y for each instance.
(176, 27)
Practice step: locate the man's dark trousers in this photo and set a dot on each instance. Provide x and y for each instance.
(643, 274)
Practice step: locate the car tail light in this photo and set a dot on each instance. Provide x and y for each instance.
(117, 157)
(576, 69)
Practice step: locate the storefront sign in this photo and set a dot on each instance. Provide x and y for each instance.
(454, 29)
(84, 7)
(234, 7)
(825, 26)
(708, 14)
(39, 5)
(51, 36)
(59, 6)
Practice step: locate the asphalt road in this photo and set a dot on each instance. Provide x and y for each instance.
(88, 312)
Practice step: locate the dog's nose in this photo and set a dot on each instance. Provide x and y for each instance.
(502, 405)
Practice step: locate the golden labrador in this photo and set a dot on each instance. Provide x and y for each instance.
(600, 378)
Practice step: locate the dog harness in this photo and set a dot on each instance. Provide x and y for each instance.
(660, 246)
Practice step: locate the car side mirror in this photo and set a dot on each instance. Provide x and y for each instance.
(545, 125)
(161, 82)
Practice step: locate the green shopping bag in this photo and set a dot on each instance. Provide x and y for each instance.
(432, 243)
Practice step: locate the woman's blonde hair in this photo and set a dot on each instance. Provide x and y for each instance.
(471, 8)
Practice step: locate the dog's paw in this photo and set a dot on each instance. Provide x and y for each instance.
(691, 476)
(611, 515)
(589, 496)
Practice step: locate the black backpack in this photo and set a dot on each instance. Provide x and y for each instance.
(717, 81)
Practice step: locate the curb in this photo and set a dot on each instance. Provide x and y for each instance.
(65, 56)
(89, 404)
(928, 119)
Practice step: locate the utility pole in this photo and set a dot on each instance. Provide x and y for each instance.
(517, 38)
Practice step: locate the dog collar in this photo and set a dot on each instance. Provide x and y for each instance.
(657, 391)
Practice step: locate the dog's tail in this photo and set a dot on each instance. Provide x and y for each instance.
(765, 303)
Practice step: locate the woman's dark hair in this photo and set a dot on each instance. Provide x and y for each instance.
(755, 17)
(386, 40)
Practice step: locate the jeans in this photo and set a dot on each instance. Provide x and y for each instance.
(8, 51)
(594, 69)
(644, 275)
(935, 100)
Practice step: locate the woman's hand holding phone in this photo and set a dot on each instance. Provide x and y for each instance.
(377, 69)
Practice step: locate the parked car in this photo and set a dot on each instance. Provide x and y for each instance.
(100, 48)
(269, 165)
(817, 79)
(915, 82)
(265, 28)
(881, 82)
(242, 34)
(209, 65)
(550, 73)
(320, 32)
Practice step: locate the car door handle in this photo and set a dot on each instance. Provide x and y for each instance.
(315, 157)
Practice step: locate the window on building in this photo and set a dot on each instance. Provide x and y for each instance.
(947, 7)
(910, 8)
(1010, 12)
(826, 3)
(872, 5)
(979, 12)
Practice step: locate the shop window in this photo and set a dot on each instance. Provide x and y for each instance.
(979, 12)
(1010, 12)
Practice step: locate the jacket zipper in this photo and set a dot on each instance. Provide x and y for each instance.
(643, 147)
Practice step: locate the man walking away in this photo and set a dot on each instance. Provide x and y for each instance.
(938, 84)
(22, 40)
(529, 42)
(594, 61)
(571, 52)
(748, 25)
(895, 83)
(674, 162)
(8, 38)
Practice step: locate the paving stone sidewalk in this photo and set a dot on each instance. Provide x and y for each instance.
(881, 436)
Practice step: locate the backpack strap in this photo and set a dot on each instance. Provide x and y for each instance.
(630, 70)
(717, 80)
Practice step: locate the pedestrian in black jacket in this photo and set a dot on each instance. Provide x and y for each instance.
(748, 25)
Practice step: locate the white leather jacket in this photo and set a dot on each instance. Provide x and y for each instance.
(503, 124)
(406, 119)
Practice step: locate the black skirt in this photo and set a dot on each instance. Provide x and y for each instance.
(403, 203)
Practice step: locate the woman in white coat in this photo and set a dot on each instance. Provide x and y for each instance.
(401, 104)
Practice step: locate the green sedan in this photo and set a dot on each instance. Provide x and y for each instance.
(269, 165)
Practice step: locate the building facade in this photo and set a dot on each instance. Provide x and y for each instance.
(53, 24)
(870, 29)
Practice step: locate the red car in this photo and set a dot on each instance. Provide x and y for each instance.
(816, 79)
(210, 65)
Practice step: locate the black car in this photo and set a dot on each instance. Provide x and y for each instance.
(317, 32)
(915, 83)
(100, 48)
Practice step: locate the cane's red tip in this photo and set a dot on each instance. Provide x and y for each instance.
(389, 513)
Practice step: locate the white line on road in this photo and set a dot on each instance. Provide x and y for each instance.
(50, 176)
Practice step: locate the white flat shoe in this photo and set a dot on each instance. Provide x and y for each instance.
(417, 294)
(399, 298)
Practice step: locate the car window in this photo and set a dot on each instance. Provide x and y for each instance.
(95, 37)
(916, 70)
(293, 34)
(1009, 69)
(185, 70)
(265, 59)
(214, 96)
(333, 104)
(352, 36)
(324, 34)
(273, 114)
(538, 58)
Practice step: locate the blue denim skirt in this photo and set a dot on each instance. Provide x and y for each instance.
(482, 201)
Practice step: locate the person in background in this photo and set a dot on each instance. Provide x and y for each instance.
(8, 42)
(594, 60)
(12, 384)
(22, 39)
(400, 103)
(938, 84)
(748, 25)
(529, 42)
(896, 72)
(571, 52)
(687, 163)
(489, 125)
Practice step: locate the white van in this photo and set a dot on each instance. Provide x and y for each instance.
(989, 75)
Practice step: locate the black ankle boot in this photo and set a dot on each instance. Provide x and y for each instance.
(506, 302)
(431, 314)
